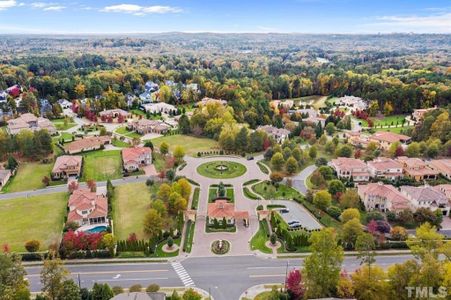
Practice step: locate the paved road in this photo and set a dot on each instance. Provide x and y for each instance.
(63, 188)
(299, 180)
(226, 277)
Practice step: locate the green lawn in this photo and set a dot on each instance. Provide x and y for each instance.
(124, 131)
(102, 165)
(259, 239)
(268, 191)
(389, 120)
(232, 169)
(247, 192)
(317, 101)
(394, 129)
(188, 242)
(38, 217)
(120, 144)
(191, 144)
(59, 124)
(195, 201)
(213, 192)
(130, 203)
(28, 177)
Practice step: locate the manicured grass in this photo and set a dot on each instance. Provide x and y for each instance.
(269, 191)
(138, 112)
(389, 120)
(213, 192)
(130, 203)
(195, 201)
(160, 253)
(263, 165)
(124, 131)
(188, 242)
(120, 144)
(233, 169)
(28, 177)
(67, 137)
(247, 192)
(209, 229)
(393, 129)
(38, 217)
(102, 165)
(316, 101)
(59, 124)
(251, 181)
(191, 144)
(259, 239)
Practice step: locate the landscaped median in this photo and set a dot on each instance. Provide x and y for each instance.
(221, 169)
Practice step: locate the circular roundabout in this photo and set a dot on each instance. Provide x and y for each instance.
(221, 169)
(220, 247)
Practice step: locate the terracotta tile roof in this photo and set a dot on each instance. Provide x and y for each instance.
(346, 163)
(87, 143)
(390, 137)
(133, 154)
(221, 209)
(385, 191)
(114, 111)
(84, 199)
(242, 214)
(65, 161)
(384, 163)
(445, 189)
(441, 165)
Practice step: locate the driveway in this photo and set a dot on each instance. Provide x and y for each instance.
(297, 212)
(241, 238)
(299, 180)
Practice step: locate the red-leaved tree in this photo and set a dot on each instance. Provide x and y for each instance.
(295, 285)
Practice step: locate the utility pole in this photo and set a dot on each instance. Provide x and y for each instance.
(79, 281)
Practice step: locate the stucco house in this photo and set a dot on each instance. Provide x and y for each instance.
(383, 167)
(145, 126)
(87, 144)
(426, 197)
(382, 197)
(30, 122)
(416, 168)
(222, 209)
(67, 166)
(385, 139)
(443, 166)
(278, 134)
(350, 167)
(136, 157)
(87, 208)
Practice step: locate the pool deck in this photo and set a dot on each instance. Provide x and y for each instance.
(86, 228)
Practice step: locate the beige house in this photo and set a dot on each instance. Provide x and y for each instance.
(87, 144)
(278, 134)
(4, 177)
(67, 166)
(416, 168)
(350, 167)
(145, 126)
(30, 122)
(382, 197)
(385, 139)
(136, 157)
(383, 167)
(208, 100)
(418, 114)
(114, 113)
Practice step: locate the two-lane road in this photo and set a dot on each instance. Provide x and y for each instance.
(226, 277)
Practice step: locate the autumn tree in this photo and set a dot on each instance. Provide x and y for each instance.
(13, 284)
(153, 223)
(322, 267)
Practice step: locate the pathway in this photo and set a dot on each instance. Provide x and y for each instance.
(299, 180)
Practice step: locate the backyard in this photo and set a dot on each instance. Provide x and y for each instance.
(316, 101)
(38, 217)
(102, 165)
(130, 203)
(28, 177)
(191, 144)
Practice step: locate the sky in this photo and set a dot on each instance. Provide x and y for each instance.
(261, 16)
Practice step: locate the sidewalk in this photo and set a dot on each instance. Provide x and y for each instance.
(105, 261)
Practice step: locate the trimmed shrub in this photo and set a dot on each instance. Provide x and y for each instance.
(153, 288)
(32, 246)
(135, 288)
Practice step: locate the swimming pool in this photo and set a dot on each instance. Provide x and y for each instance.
(97, 229)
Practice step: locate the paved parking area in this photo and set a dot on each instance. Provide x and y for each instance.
(297, 212)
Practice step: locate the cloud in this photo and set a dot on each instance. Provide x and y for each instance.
(437, 23)
(139, 10)
(5, 4)
(46, 6)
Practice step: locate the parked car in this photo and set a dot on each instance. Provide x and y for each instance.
(250, 158)
(284, 210)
